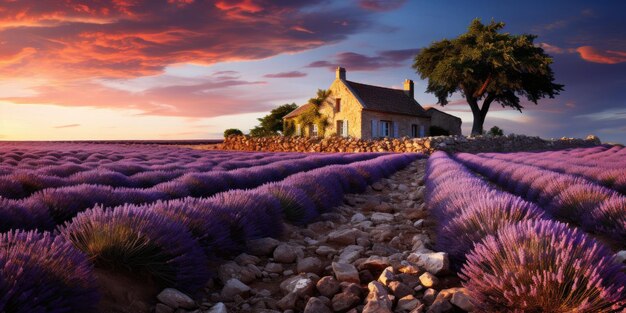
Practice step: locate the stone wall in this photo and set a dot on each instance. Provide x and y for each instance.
(427, 145)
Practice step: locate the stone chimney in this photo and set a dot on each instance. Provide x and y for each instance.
(409, 90)
(340, 73)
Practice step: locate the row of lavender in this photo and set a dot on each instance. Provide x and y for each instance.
(566, 197)
(52, 206)
(605, 165)
(143, 169)
(65, 159)
(168, 241)
(511, 255)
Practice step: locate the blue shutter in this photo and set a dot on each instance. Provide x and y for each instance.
(374, 128)
(395, 130)
(422, 131)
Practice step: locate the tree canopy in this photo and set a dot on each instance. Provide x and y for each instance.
(272, 124)
(232, 131)
(486, 65)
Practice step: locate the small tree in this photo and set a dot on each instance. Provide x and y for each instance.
(495, 131)
(312, 115)
(232, 131)
(486, 65)
(272, 124)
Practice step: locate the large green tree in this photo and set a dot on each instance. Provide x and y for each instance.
(486, 65)
(272, 123)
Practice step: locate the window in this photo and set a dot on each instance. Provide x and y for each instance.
(337, 105)
(385, 128)
(314, 130)
(414, 133)
(342, 128)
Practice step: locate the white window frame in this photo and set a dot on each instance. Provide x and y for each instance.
(385, 128)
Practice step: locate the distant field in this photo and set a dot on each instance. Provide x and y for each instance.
(534, 230)
(159, 212)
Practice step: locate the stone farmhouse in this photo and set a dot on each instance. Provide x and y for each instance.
(365, 111)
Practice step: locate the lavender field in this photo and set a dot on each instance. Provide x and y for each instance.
(70, 210)
(533, 232)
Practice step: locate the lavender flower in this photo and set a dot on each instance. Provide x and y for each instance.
(543, 266)
(41, 273)
(142, 241)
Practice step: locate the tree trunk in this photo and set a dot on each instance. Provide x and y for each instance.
(477, 127)
(479, 119)
(479, 113)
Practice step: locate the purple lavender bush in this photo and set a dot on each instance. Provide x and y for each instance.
(40, 273)
(610, 218)
(296, 206)
(576, 202)
(24, 214)
(203, 219)
(479, 218)
(325, 191)
(142, 242)
(251, 214)
(543, 266)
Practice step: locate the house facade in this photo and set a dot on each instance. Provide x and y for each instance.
(364, 111)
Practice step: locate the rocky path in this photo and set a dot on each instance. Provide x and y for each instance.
(371, 254)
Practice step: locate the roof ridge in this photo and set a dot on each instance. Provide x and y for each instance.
(353, 82)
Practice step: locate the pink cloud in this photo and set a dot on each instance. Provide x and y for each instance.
(292, 74)
(131, 38)
(360, 62)
(210, 98)
(381, 5)
(591, 54)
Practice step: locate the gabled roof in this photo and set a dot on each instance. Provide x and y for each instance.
(430, 110)
(298, 110)
(386, 99)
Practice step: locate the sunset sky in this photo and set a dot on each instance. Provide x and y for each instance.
(188, 69)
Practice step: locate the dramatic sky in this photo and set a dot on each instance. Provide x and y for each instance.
(185, 69)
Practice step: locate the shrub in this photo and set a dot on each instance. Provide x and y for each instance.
(251, 214)
(232, 132)
(203, 219)
(481, 217)
(10, 188)
(578, 201)
(610, 218)
(438, 131)
(24, 214)
(495, 131)
(65, 202)
(39, 273)
(297, 207)
(543, 266)
(325, 191)
(140, 242)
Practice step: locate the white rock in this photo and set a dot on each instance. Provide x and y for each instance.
(176, 299)
(234, 287)
(357, 218)
(346, 272)
(435, 263)
(380, 218)
(621, 256)
(218, 308)
(285, 254)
